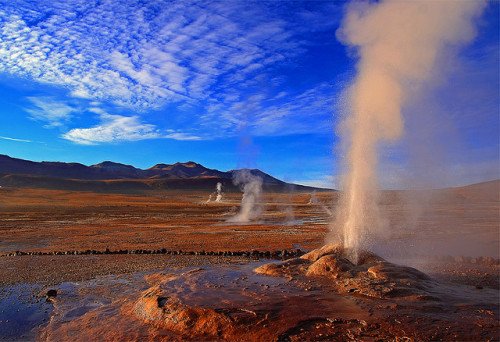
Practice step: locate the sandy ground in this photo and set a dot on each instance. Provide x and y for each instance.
(452, 236)
(48, 220)
(462, 221)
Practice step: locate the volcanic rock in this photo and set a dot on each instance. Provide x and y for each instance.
(371, 276)
(205, 305)
(172, 314)
(289, 267)
(50, 294)
(331, 266)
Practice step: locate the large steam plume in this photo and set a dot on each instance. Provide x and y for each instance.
(252, 190)
(400, 45)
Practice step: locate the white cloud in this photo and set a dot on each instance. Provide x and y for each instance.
(145, 54)
(112, 129)
(181, 136)
(14, 139)
(49, 110)
(117, 128)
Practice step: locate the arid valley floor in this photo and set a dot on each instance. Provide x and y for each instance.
(105, 254)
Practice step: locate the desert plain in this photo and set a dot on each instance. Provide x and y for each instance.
(106, 253)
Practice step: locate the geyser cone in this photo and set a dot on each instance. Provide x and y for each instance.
(371, 276)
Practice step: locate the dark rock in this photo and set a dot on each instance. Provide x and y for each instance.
(50, 294)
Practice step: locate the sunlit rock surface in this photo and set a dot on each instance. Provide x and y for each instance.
(372, 276)
(202, 305)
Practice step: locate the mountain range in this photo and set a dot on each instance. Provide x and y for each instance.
(109, 176)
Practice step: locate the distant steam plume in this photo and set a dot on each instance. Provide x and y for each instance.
(314, 201)
(218, 189)
(217, 193)
(252, 192)
(400, 45)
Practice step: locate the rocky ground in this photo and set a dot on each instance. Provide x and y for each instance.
(103, 253)
(293, 301)
(321, 296)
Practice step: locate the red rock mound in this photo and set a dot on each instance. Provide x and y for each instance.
(372, 275)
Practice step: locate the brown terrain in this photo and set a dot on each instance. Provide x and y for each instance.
(165, 265)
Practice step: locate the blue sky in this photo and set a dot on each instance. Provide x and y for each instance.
(228, 84)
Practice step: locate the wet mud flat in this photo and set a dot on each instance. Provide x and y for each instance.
(306, 298)
(25, 281)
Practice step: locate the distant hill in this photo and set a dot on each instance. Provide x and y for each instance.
(479, 192)
(109, 176)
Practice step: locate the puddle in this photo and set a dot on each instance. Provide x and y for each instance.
(22, 311)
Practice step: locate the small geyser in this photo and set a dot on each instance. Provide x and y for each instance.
(313, 200)
(218, 187)
(252, 191)
(401, 46)
(217, 193)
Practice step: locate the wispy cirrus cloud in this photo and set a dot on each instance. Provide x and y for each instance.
(283, 113)
(48, 109)
(117, 128)
(146, 53)
(15, 139)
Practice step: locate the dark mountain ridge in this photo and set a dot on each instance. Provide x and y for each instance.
(106, 170)
(111, 176)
